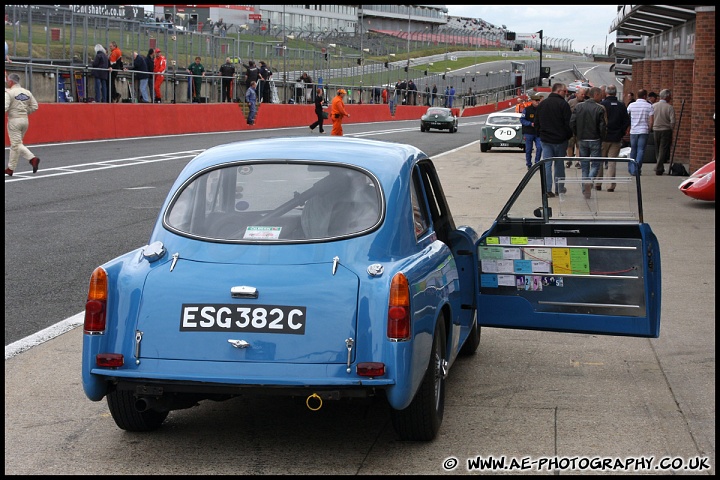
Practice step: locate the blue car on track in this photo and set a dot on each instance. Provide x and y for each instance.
(332, 268)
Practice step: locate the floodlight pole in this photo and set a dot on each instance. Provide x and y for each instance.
(540, 77)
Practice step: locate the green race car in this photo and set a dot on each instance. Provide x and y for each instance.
(440, 118)
(502, 130)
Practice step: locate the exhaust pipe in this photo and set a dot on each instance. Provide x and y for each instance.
(144, 404)
(314, 402)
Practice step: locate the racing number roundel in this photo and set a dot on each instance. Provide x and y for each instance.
(505, 133)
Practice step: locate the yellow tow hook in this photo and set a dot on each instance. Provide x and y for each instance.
(316, 399)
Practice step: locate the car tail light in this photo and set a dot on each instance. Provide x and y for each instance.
(370, 369)
(109, 360)
(399, 309)
(96, 305)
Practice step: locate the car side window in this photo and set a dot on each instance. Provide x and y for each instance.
(420, 215)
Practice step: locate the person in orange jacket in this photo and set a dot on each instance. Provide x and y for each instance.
(338, 112)
(160, 68)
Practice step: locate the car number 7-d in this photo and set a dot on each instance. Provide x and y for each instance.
(242, 318)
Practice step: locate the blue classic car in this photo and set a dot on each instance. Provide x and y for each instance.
(306, 267)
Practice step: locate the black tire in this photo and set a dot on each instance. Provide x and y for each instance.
(421, 420)
(422, 128)
(126, 416)
(473, 341)
(484, 147)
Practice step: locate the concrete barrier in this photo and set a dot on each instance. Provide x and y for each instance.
(54, 122)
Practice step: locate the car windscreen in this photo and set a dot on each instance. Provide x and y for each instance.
(270, 202)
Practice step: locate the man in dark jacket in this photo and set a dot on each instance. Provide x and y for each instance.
(265, 74)
(150, 65)
(552, 121)
(252, 74)
(527, 118)
(227, 72)
(589, 125)
(618, 124)
(141, 76)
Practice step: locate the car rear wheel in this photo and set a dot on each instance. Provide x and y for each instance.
(422, 418)
(484, 147)
(122, 404)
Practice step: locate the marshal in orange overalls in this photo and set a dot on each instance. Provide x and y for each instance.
(338, 112)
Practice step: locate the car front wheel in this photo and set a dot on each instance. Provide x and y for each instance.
(122, 404)
(421, 420)
(422, 128)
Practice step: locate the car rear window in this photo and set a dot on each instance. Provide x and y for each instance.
(503, 120)
(270, 202)
(437, 111)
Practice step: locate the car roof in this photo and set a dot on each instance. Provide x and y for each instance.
(384, 159)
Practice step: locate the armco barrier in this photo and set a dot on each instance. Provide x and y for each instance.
(54, 122)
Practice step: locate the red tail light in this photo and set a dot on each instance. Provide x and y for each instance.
(399, 309)
(96, 305)
(108, 360)
(371, 369)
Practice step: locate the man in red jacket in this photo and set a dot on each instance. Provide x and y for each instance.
(160, 68)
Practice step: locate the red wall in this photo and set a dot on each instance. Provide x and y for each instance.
(61, 122)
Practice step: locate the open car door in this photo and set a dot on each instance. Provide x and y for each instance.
(576, 262)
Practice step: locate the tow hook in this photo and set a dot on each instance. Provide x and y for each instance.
(314, 402)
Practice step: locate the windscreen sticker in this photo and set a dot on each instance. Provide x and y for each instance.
(262, 233)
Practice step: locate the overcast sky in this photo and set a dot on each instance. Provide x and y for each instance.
(587, 25)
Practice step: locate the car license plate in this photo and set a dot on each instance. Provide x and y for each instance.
(504, 145)
(242, 318)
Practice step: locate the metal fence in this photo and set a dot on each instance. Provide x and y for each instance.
(54, 47)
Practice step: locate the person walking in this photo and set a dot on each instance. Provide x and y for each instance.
(100, 65)
(251, 99)
(573, 150)
(159, 68)
(227, 72)
(197, 70)
(150, 65)
(19, 103)
(338, 112)
(527, 118)
(641, 124)
(663, 125)
(552, 121)
(589, 124)
(618, 125)
(318, 111)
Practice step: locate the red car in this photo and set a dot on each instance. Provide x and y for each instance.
(701, 184)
